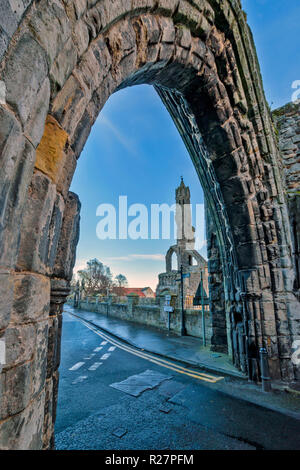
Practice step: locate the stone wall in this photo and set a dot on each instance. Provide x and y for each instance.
(153, 315)
(287, 122)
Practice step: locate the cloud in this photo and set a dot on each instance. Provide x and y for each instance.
(80, 264)
(103, 120)
(152, 257)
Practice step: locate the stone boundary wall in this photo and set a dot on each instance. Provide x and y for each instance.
(153, 315)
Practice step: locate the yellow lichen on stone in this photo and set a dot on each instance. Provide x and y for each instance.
(50, 152)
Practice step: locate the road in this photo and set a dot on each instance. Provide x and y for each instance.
(161, 405)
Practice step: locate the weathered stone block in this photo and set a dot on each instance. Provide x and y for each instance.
(63, 65)
(20, 343)
(34, 127)
(82, 132)
(248, 255)
(10, 142)
(67, 172)
(103, 57)
(52, 345)
(80, 7)
(245, 233)
(234, 190)
(39, 365)
(35, 243)
(250, 280)
(166, 7)
(31, 297)
(69, 104)
(141, 5)
(277, 279)
(168, 30)
(27, 65)
(50, 152)
(4, 41)
(66, 251)
(91, 71)
(11, 12)
(80, 37)
(24, 431)
(48, 428)
(112, 10)
(241, 214)
(18, 380)
(121, 42)
(48, 245)
(16, 166)
(51, 27)
(188, 15)
(6, 296)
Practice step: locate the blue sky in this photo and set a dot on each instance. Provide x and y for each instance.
(135, 150)
(276, 29)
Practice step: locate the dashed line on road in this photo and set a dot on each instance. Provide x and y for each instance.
(103, 343)
(87, 358)
(98, 349)
(79, 379)
(112, 348)
(77, 366)
(105, 356)
(163, 363)
(95, 365)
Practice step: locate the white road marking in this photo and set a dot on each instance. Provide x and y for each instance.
(77, 366)
(79, 379)
(98, 349)
(154, 359)
(89, 357)
(112, 348)
(95, 365)
(105, 356)
(103, 343)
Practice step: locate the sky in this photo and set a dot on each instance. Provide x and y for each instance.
(134, 149)
(275, 25)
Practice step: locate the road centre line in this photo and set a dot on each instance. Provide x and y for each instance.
(161, 362)
(148, 356)
(77, 366)
(95, 365)
(105, 356)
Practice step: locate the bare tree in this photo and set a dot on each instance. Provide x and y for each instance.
(121, 282)
(96, 277)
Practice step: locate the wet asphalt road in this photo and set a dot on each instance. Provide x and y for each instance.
(180, 413)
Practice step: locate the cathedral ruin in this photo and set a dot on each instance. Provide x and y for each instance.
(186, 256)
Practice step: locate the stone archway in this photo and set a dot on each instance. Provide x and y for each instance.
(60, 63)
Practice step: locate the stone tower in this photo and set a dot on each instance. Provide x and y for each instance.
(191, 261)
(185, 230)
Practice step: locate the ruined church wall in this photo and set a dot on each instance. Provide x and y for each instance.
(287, 124)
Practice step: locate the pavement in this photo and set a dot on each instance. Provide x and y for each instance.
(188, 351)
(115, 396)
